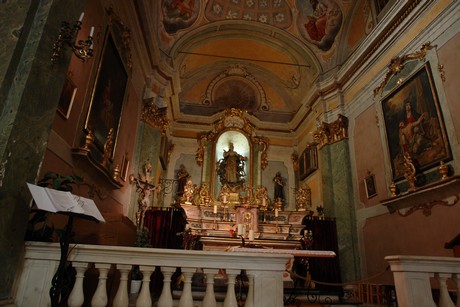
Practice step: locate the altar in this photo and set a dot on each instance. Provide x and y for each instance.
(221, 228)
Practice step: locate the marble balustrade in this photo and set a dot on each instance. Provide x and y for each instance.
(41, 260)
(414, 277)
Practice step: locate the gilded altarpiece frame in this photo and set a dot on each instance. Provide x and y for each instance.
(412, 116)
(232, 122)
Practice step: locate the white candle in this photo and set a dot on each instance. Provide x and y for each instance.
(187, 226)
(263, 202)
(276, 212)
(251, 235)
(240, 229)
(224, 199)
(91, 32)
(81, 16)
(215, 209)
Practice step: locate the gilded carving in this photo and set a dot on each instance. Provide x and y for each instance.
(329, 133)
(154, 116)
(397, 64)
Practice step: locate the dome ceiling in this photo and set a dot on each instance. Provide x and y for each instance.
(263, 56)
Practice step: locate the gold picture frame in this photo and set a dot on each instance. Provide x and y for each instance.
(369, 185)
(69, 90)
(124, 167)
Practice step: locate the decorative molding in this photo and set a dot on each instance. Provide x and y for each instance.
(237, 71)
(330, 133)
(397, 65)
(426, 207)
(155, 116)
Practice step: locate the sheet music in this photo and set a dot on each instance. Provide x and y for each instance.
(62, 201)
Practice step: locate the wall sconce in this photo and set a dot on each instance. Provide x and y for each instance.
(67, 36)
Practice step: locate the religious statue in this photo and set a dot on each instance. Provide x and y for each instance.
(279, 187)
(231, 167)
(262, 197)
(182, 177)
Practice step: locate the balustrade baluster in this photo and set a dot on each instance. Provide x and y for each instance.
(121, 299)
(230, 297)
(166, 299)
(186, 299)
(144, 299)
(444, 298)
(76, 297)
(100, 296)
(250, 297)
(209, 299)
(456, 279)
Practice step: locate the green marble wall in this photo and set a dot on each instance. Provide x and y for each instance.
(338, 203)
(29, 94)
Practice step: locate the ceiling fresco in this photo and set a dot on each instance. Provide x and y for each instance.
(263, 56)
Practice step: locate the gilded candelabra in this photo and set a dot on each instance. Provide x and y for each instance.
(83, 49)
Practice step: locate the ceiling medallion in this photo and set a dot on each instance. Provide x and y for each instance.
(236, 73)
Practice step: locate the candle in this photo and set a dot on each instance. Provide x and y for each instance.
(251, 235)
(224, 199)
(244, 231)
(276, 212)
(187, 226)
(81, 16)
(215, 209)
(263, 202)
(240, 229)
(91, 32)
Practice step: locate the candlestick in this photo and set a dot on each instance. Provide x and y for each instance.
(240, 229)
(251, 235)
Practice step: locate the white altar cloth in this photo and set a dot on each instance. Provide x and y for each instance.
(293, 252)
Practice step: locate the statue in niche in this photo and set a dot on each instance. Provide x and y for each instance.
(182, 178)
(230, 168)
(279, 187)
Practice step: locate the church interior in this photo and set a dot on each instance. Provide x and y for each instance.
(322, 125)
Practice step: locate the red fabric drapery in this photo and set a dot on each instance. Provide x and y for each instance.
(164, 225)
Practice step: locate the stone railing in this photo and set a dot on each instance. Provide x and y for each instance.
(41, 260)
(416, 276)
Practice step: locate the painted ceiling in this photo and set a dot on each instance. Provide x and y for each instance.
(263, 56)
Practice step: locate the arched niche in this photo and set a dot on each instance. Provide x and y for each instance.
(232, 128)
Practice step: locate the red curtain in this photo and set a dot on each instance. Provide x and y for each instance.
(165, 226)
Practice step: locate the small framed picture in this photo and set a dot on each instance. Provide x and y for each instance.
(67, 97)
(124, 167)
(369, 184)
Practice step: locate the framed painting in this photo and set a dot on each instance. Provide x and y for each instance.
(164, 152)
(308, 162)
(69, 90)
(124, 167)
(369, 184)
(414, 124)
(108, 95)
